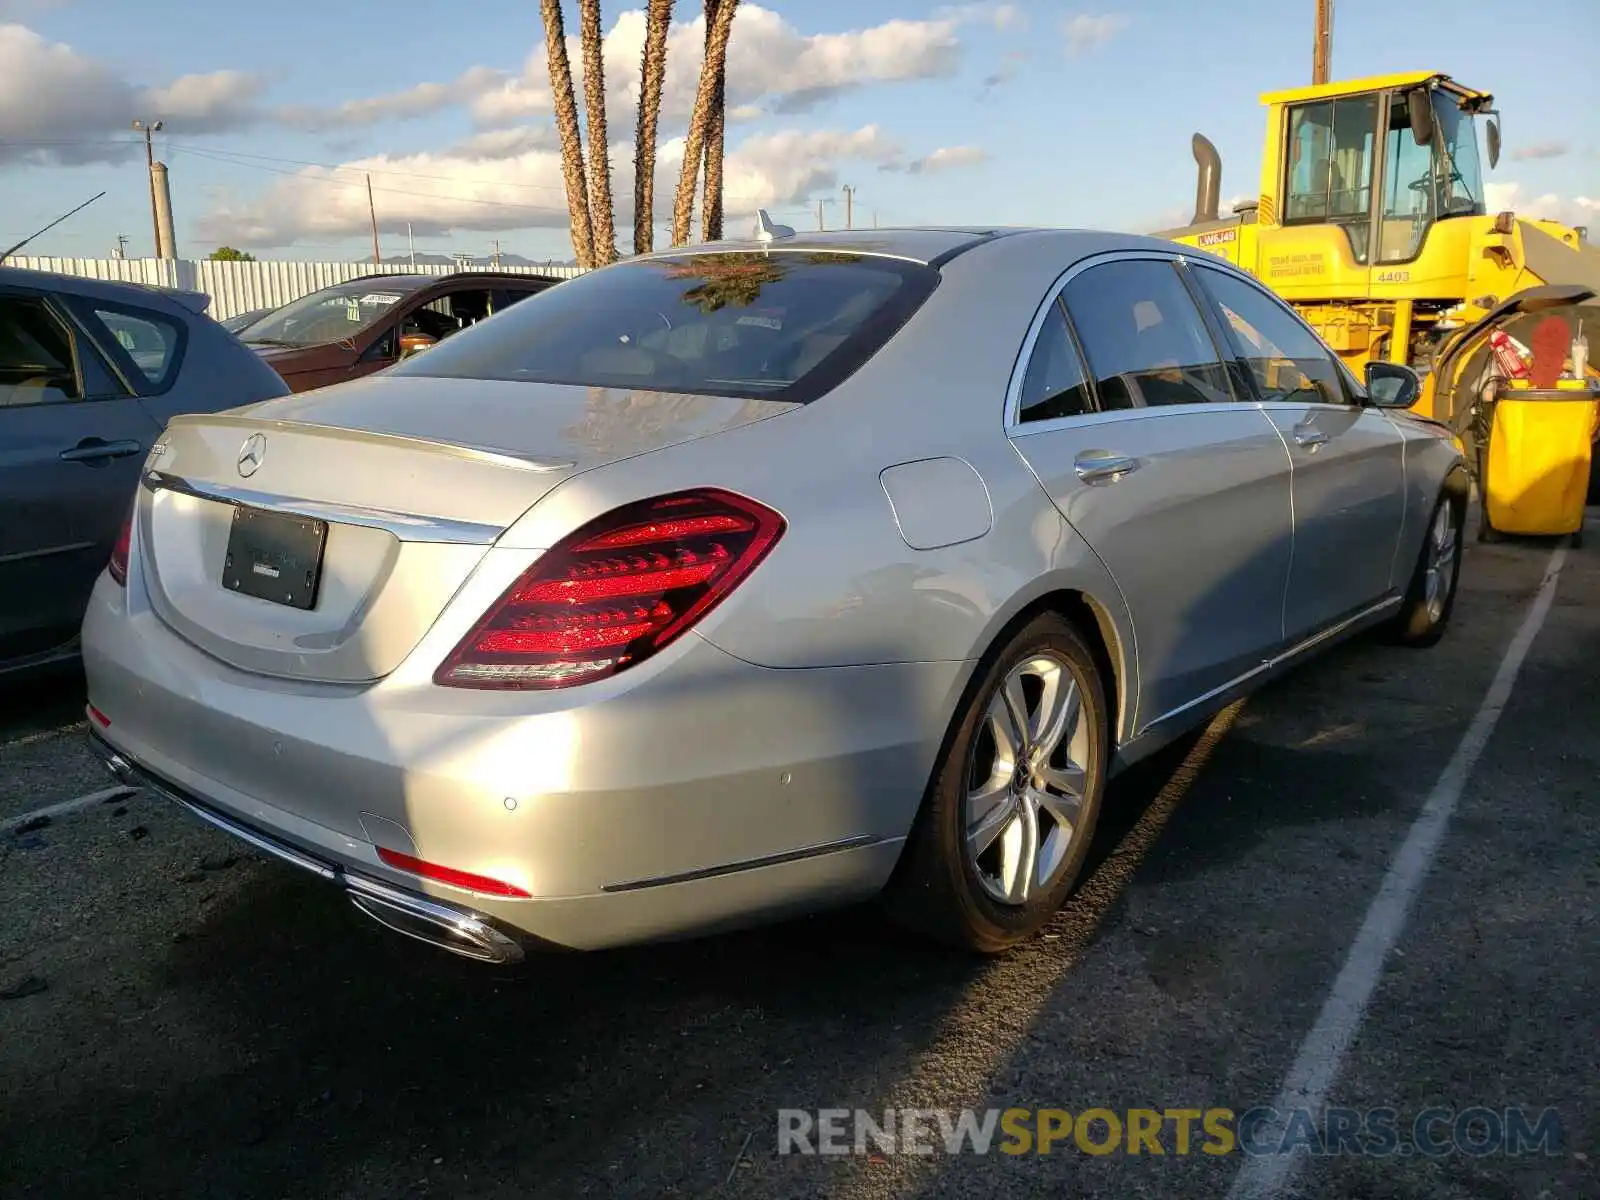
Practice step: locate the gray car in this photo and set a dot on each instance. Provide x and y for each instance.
(90, 373)
(752, 578)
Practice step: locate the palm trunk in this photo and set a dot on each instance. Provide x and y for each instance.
(601, 217)
(566, 106)
(700, 123)
(711, 205)
(652, 73)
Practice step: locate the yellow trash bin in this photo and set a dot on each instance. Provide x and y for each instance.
(1536, 470)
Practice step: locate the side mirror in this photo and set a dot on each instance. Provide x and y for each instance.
(1420, 108)
(1392, 385)
(1491, 135)
(415, 343)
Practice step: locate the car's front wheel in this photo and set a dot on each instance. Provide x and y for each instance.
(1006, 825)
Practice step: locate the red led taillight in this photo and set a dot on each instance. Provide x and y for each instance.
(615, 592)
(118, 566)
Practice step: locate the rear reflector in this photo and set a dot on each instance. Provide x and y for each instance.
(99, 717)
(615, 592)
(455, 878)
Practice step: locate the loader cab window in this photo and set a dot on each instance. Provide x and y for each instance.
(1423, 184)
(1331, 153)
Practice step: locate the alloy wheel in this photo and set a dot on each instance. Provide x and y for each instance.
(1026, 780)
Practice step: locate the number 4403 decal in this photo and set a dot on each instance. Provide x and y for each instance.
(1394, 276)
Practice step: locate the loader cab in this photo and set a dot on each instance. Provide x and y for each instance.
(1383, 163)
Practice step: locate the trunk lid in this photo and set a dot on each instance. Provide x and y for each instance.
(414, 478)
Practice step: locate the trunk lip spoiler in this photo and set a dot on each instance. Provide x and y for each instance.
(495, 455)
(407, 527)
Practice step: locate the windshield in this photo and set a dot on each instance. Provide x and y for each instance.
(325, 316)
(788, 325)
(1460, 175)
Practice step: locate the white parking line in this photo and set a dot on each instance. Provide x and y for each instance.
(65, 807)
(1321, 1055)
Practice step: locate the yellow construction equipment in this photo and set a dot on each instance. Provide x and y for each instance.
(1371, 220)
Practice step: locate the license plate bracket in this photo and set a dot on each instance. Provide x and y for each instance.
(275, 556)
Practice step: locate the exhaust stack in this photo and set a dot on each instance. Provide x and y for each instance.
(1208, 187)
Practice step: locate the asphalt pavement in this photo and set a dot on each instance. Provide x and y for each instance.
(178, 1017)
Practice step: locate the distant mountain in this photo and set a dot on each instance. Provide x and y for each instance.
(485, 262)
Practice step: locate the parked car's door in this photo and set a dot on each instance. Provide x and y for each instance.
(72, 439)
(1349, 460)
(1177, 481)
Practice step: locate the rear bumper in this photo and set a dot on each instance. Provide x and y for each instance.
(452, 927)
(703, 794)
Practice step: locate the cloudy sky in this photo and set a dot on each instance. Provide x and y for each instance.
(1028, 113)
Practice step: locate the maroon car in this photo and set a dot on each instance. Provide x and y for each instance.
(353, 329)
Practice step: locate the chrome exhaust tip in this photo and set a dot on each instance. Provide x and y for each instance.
(457, 930)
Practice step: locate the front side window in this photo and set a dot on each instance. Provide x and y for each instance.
(1054, 385)
(1460, 172)
(1145, 340)
(38, 362)
(1286, 360)
(786, 325)
(1408, 187)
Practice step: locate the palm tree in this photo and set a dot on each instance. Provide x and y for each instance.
(711, 205)
(652, 72)
(601, 217)
(717, 34)
(566, 106)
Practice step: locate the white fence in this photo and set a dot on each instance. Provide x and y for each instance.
(236, 287)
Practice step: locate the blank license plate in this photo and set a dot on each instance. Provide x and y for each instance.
(275, 556)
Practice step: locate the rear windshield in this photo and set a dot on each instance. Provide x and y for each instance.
(786, 325)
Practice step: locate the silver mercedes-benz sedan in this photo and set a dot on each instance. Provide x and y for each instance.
(751, 578)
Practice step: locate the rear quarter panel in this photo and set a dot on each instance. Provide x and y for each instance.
(843, 587)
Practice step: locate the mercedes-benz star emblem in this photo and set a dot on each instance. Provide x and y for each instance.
(252, 453)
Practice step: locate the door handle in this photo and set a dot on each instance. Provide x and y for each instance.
(93, 450)
(1101, 466)
(1309, 435)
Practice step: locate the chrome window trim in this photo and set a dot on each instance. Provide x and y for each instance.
(407, 527)
(1014, 427)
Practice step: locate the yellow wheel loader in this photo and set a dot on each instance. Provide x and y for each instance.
(1371, 220)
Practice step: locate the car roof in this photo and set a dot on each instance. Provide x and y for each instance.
(104, 289)
(931, 245)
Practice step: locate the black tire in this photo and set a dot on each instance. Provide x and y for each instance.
(938, 889)
(1423, 618)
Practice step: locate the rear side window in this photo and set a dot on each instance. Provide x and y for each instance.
(151, 343)
(1054, 385)
(785, 325)
(1145, 339)
(1286, 360)
(37, 362)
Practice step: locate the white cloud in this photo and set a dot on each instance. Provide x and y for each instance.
(1538, 150)
(945, 158)
(418, 101)
(439, 193)
(60, 106)
(771, 65)
(1509, 197)
(1085, 33)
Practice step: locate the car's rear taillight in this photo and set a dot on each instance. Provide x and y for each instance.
(118, 566)
(615, 592)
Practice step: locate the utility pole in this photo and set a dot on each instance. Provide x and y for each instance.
(411, 244)
(149, 129)
(122, 245)
(373, 213)
(849, 206)
(820, 226)
(1322, 49)
(497, 254)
